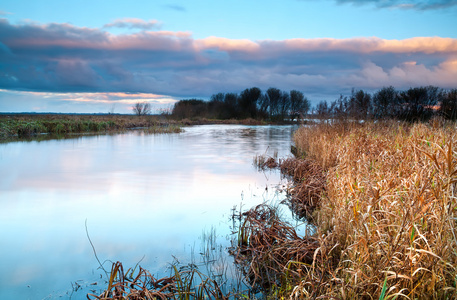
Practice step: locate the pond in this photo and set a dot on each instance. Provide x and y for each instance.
(145, 198)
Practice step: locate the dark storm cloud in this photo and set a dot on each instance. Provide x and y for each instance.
(65, 58)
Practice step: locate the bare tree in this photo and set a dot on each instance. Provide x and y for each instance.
(141, 108)
(111, 110)
(385, 102)
(247, 102)
(448, 106)
(273, 98)
(299, 104)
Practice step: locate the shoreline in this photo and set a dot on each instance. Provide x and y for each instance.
(20, 126)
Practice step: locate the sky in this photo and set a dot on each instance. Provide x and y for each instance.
(104, 55)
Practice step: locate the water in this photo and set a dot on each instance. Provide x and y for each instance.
(144, 197)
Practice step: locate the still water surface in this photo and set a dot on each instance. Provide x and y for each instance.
(144, 196)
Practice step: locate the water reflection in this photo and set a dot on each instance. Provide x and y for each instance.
(142, 195)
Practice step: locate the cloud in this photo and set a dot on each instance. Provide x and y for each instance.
(401, 4)
(132, 23)
(20, 101)
(62, 58)
(176, 7)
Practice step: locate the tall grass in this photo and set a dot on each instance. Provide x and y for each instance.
(387, 222)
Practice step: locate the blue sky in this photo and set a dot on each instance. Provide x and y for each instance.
(99, 55)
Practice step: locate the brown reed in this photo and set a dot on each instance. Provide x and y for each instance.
(382, 198)
(270, 252)
(184, 284)
(386, 224)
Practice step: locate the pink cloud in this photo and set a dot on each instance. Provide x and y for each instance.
(225, 44)
(426, 45)
(69, 36)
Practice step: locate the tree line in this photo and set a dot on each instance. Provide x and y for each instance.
(274, 105)
(413, 104)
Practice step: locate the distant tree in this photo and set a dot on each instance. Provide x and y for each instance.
(219, 97)
(111, 110)
(299, 104)
(360, 105)
(263, 107)
(272, 99)
(339, 108)
(322, 110)
(141, 108)
(448, 107)
(216, 106)
(231, 105)
(419, 104)
(385, 103)
(190, 108)
(248, 102)
(284, 105)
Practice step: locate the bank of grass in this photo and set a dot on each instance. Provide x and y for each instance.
(25, 125)
(386, 217)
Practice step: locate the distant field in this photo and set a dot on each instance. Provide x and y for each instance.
(24, 125)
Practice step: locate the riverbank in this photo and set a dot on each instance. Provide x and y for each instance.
(26, 125)
(384, 215)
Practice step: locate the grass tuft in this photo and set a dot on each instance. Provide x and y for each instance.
(185, 283)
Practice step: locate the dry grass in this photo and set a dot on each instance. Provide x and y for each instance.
(309, 185)
(386, 225)
(184, 284)
(270, 253)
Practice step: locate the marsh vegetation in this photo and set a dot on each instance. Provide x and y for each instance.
(26, 125)
(382, 199)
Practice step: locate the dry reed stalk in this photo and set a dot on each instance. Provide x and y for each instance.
(270, 252)
(389, 212)
(309, 184)
(184, 284)
(263, 162)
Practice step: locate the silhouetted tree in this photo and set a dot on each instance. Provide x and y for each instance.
(190, 108)
(248, 102)
(141, 108)
(448, 107)
(272, 98)
(263, 107)
(284, 105)
(359, 105)
(215, 109)
(418, 104)
(231, 105)
(339, 108)
(385, 103)
(218, 97)
(299, 104)
(322, 110)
